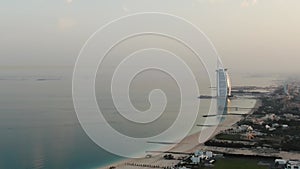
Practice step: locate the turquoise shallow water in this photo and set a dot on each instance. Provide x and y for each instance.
(39, 128)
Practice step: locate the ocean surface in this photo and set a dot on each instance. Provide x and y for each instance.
(39, 127)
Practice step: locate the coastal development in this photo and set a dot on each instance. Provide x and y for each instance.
(273, 127)
(150, 84)
(270, 131)
(266, 137)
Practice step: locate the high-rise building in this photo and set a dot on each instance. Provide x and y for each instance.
(223, 83)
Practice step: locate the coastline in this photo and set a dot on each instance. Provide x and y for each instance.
(192, 146)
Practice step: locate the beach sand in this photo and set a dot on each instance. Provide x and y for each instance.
(191, 144)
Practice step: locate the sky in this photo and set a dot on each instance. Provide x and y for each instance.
(251, 36)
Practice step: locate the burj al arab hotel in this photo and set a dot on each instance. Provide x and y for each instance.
(223, 84)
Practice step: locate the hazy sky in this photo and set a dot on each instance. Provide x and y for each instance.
(250, 35)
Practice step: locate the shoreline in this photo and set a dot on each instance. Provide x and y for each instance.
(192, 146)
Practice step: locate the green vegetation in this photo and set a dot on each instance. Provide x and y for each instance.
(232, 137)
(238, 163)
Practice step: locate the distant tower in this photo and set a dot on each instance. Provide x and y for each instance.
(228, 85)
(222, 92)
(286, 89)
(223, 83)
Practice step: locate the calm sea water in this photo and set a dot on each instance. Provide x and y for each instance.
(39, 128)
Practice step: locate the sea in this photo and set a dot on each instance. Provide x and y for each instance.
(39, 128)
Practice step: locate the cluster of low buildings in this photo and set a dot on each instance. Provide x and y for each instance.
(199, 158)
(286, 164)
(272, 121)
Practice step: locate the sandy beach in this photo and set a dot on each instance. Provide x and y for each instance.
(189, 144)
